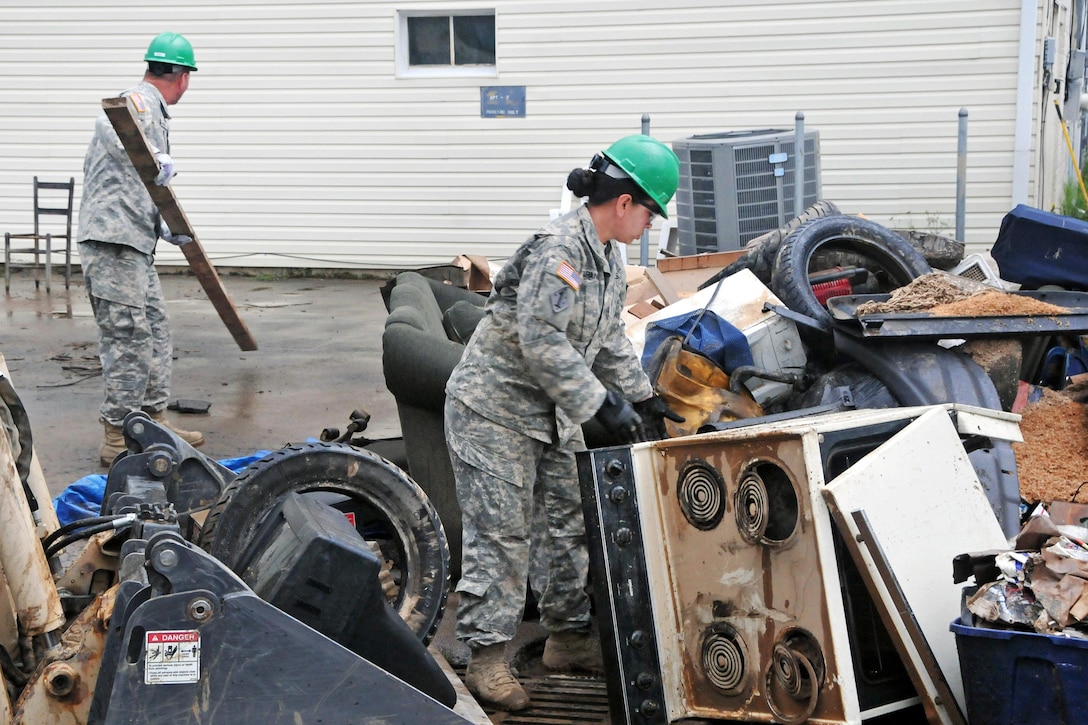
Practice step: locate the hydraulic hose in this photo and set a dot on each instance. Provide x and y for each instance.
(86, 532)
(79, 524)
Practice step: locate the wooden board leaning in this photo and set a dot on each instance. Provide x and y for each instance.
(139, 151)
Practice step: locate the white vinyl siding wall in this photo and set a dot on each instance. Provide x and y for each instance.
(298, 146)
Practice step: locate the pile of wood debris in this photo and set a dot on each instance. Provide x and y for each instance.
(1053, 459)
(941, 294)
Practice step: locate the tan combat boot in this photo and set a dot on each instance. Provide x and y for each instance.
(193, 437)
(572, 650)
(112, 444)
(489, 678)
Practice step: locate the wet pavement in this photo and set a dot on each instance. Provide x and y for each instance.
(319, 352)
(318, 358)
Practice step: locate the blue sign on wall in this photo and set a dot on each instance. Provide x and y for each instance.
(502, 101)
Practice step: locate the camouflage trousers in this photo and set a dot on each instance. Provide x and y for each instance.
(133, 330)
(520, 502)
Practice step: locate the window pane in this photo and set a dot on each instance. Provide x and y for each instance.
(474, 39)
(429, 41)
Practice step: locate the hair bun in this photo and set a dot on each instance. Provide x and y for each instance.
(581, 182)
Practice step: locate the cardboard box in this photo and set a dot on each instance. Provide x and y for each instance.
(477, 271)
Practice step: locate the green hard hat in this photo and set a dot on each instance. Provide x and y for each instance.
(652, 165)
(171, 48)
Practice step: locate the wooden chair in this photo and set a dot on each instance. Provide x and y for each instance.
(56, 201)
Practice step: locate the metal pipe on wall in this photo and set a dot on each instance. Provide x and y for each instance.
(644, 246)
(1074, 79)
(961, 175)
(799, 164)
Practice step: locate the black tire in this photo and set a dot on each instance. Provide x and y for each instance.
(763, 249)
(390, 510)
(844, 241)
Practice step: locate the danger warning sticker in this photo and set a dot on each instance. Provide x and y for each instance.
(172, 657)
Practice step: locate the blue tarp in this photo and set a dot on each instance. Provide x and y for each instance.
(83, 498)
(713, 336)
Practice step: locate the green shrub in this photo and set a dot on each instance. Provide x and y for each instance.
(1073, 201)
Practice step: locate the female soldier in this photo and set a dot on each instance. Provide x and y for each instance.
(549, 354)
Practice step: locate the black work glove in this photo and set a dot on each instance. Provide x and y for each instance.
(653, 411)
(620, 419)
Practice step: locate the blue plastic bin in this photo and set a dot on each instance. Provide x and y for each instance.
(1013, 678)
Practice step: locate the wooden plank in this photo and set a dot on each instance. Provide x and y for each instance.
(132, 138)
(667, 292)
(712, 262)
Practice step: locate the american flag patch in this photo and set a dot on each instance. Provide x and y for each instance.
(567, 273)
(138, 102)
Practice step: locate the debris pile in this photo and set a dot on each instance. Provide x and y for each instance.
(924, 293)
(1052, 462)
(1042, 584)
(995, 303)
(946, 295)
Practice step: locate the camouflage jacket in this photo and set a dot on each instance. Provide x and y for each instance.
(552, 337)
(115, 206)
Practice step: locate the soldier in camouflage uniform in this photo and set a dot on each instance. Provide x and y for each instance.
(119, 226)
(549, 354)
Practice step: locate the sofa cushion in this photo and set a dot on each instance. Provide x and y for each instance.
(414, 291)
(417, 364)
(408, 315)
(460, 320)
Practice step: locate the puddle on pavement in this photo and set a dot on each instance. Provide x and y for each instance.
(63, 304)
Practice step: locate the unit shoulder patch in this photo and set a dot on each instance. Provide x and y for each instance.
(138, 102)
(568, 274)
(561, 299)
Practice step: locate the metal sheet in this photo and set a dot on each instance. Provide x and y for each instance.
(921, 325)
(558, 700)
(915, 503)
(761, 589)
(676, 585)
(994, 424)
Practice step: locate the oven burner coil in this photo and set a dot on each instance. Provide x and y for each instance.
(796, 668)
(752, 508)
(724, 660)
(765, 504)
(787, 670)
(701, 493)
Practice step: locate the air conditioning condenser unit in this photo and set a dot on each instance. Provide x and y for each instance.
(738, 185)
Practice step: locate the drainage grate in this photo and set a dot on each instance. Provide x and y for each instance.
(558, 700)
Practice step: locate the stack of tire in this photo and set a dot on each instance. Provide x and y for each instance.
(877, 375)
(823, 238)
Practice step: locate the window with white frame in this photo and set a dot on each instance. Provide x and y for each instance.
(456, 43)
